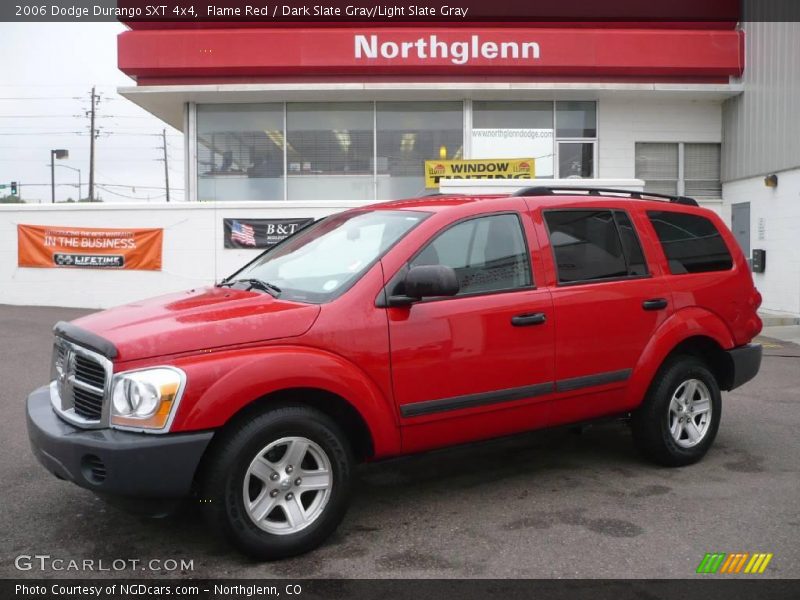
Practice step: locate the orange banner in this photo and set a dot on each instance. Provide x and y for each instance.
(89, 247)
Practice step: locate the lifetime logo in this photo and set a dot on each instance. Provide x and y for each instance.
(737, 562)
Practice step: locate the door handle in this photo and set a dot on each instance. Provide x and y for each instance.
(654, 304)
(528, 319)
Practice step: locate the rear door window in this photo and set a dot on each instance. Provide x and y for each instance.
(691, 243)
(591, 245)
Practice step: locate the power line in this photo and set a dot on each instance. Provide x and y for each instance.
(142, 187)
(40, 98)
(133, 187)
(127, 196)
(105, 160)
(124, 117)
(40, 133)
(41, 116)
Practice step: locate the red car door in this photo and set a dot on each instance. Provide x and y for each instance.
(480, 363)
(607, 304)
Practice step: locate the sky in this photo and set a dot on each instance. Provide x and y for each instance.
(47, 71)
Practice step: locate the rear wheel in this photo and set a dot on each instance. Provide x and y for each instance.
(279, 484)
(679, 418)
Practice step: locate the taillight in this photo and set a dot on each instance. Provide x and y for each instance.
(754, 324)
(756, 299)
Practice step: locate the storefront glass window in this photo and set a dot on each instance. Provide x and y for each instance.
(576, 119)
(408, 134)
(240, 152)
(329, 151)
(575, 160)
(514, 130)
(377, 150)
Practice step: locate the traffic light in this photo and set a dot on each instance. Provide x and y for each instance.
(13, 188)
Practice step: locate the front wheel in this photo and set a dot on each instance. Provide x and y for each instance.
(279, 484)
(679, 418)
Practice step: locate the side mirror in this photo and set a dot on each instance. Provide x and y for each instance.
(431, 280)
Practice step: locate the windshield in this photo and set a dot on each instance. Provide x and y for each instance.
(324, 260)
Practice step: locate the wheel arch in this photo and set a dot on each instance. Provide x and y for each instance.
(692, 331)
(342, 412)
(242, 381)
(709, 351)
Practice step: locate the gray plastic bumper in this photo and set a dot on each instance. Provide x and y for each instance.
(110, 461)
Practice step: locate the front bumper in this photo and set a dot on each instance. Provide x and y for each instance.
(746, 361)
(114, 462)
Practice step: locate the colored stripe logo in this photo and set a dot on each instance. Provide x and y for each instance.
(734, 563)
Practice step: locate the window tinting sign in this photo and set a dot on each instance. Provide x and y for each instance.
(260, 233)
(510, 168)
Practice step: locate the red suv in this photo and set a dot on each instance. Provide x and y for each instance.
(398, 328)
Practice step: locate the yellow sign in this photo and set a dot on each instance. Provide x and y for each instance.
(490, 168)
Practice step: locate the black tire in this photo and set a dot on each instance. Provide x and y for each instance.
(651, 421)
(223, 477)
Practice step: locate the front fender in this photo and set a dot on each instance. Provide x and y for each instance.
(221, 384)
(682, 325)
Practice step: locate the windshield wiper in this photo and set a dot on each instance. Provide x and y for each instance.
(264, 286)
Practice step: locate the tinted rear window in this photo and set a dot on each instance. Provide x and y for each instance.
(591, 245)
(692, 243)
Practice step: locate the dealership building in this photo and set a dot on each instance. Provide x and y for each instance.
(316, 113)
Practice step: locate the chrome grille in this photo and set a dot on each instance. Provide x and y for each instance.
(89, 371)
(80, 383)
(88, 404)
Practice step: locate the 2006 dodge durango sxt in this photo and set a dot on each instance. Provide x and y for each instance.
(398, 328)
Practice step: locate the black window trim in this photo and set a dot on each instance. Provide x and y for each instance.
(384, 293)
(596, 280)
(617, 211)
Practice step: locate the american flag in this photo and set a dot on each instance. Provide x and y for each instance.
(244, 234)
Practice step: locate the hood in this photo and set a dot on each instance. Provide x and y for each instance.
(198, 320)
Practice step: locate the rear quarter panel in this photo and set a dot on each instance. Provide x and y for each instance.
(730, 295)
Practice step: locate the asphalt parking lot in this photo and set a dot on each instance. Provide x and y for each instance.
(546, 504)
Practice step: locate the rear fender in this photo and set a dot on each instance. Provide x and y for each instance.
(222, 384)
(683, 324)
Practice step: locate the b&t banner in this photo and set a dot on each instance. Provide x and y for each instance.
(260, 233)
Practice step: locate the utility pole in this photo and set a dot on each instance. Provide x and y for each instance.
(166, 164)
(94, 99)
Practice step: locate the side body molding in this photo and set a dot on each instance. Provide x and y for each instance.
(223, 383)
(682, 325)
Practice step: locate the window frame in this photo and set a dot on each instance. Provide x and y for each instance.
(625, 257)
(528, 257)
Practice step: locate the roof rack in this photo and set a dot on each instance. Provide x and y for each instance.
(608, 192)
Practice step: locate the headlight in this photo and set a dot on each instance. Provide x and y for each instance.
(146, 399)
